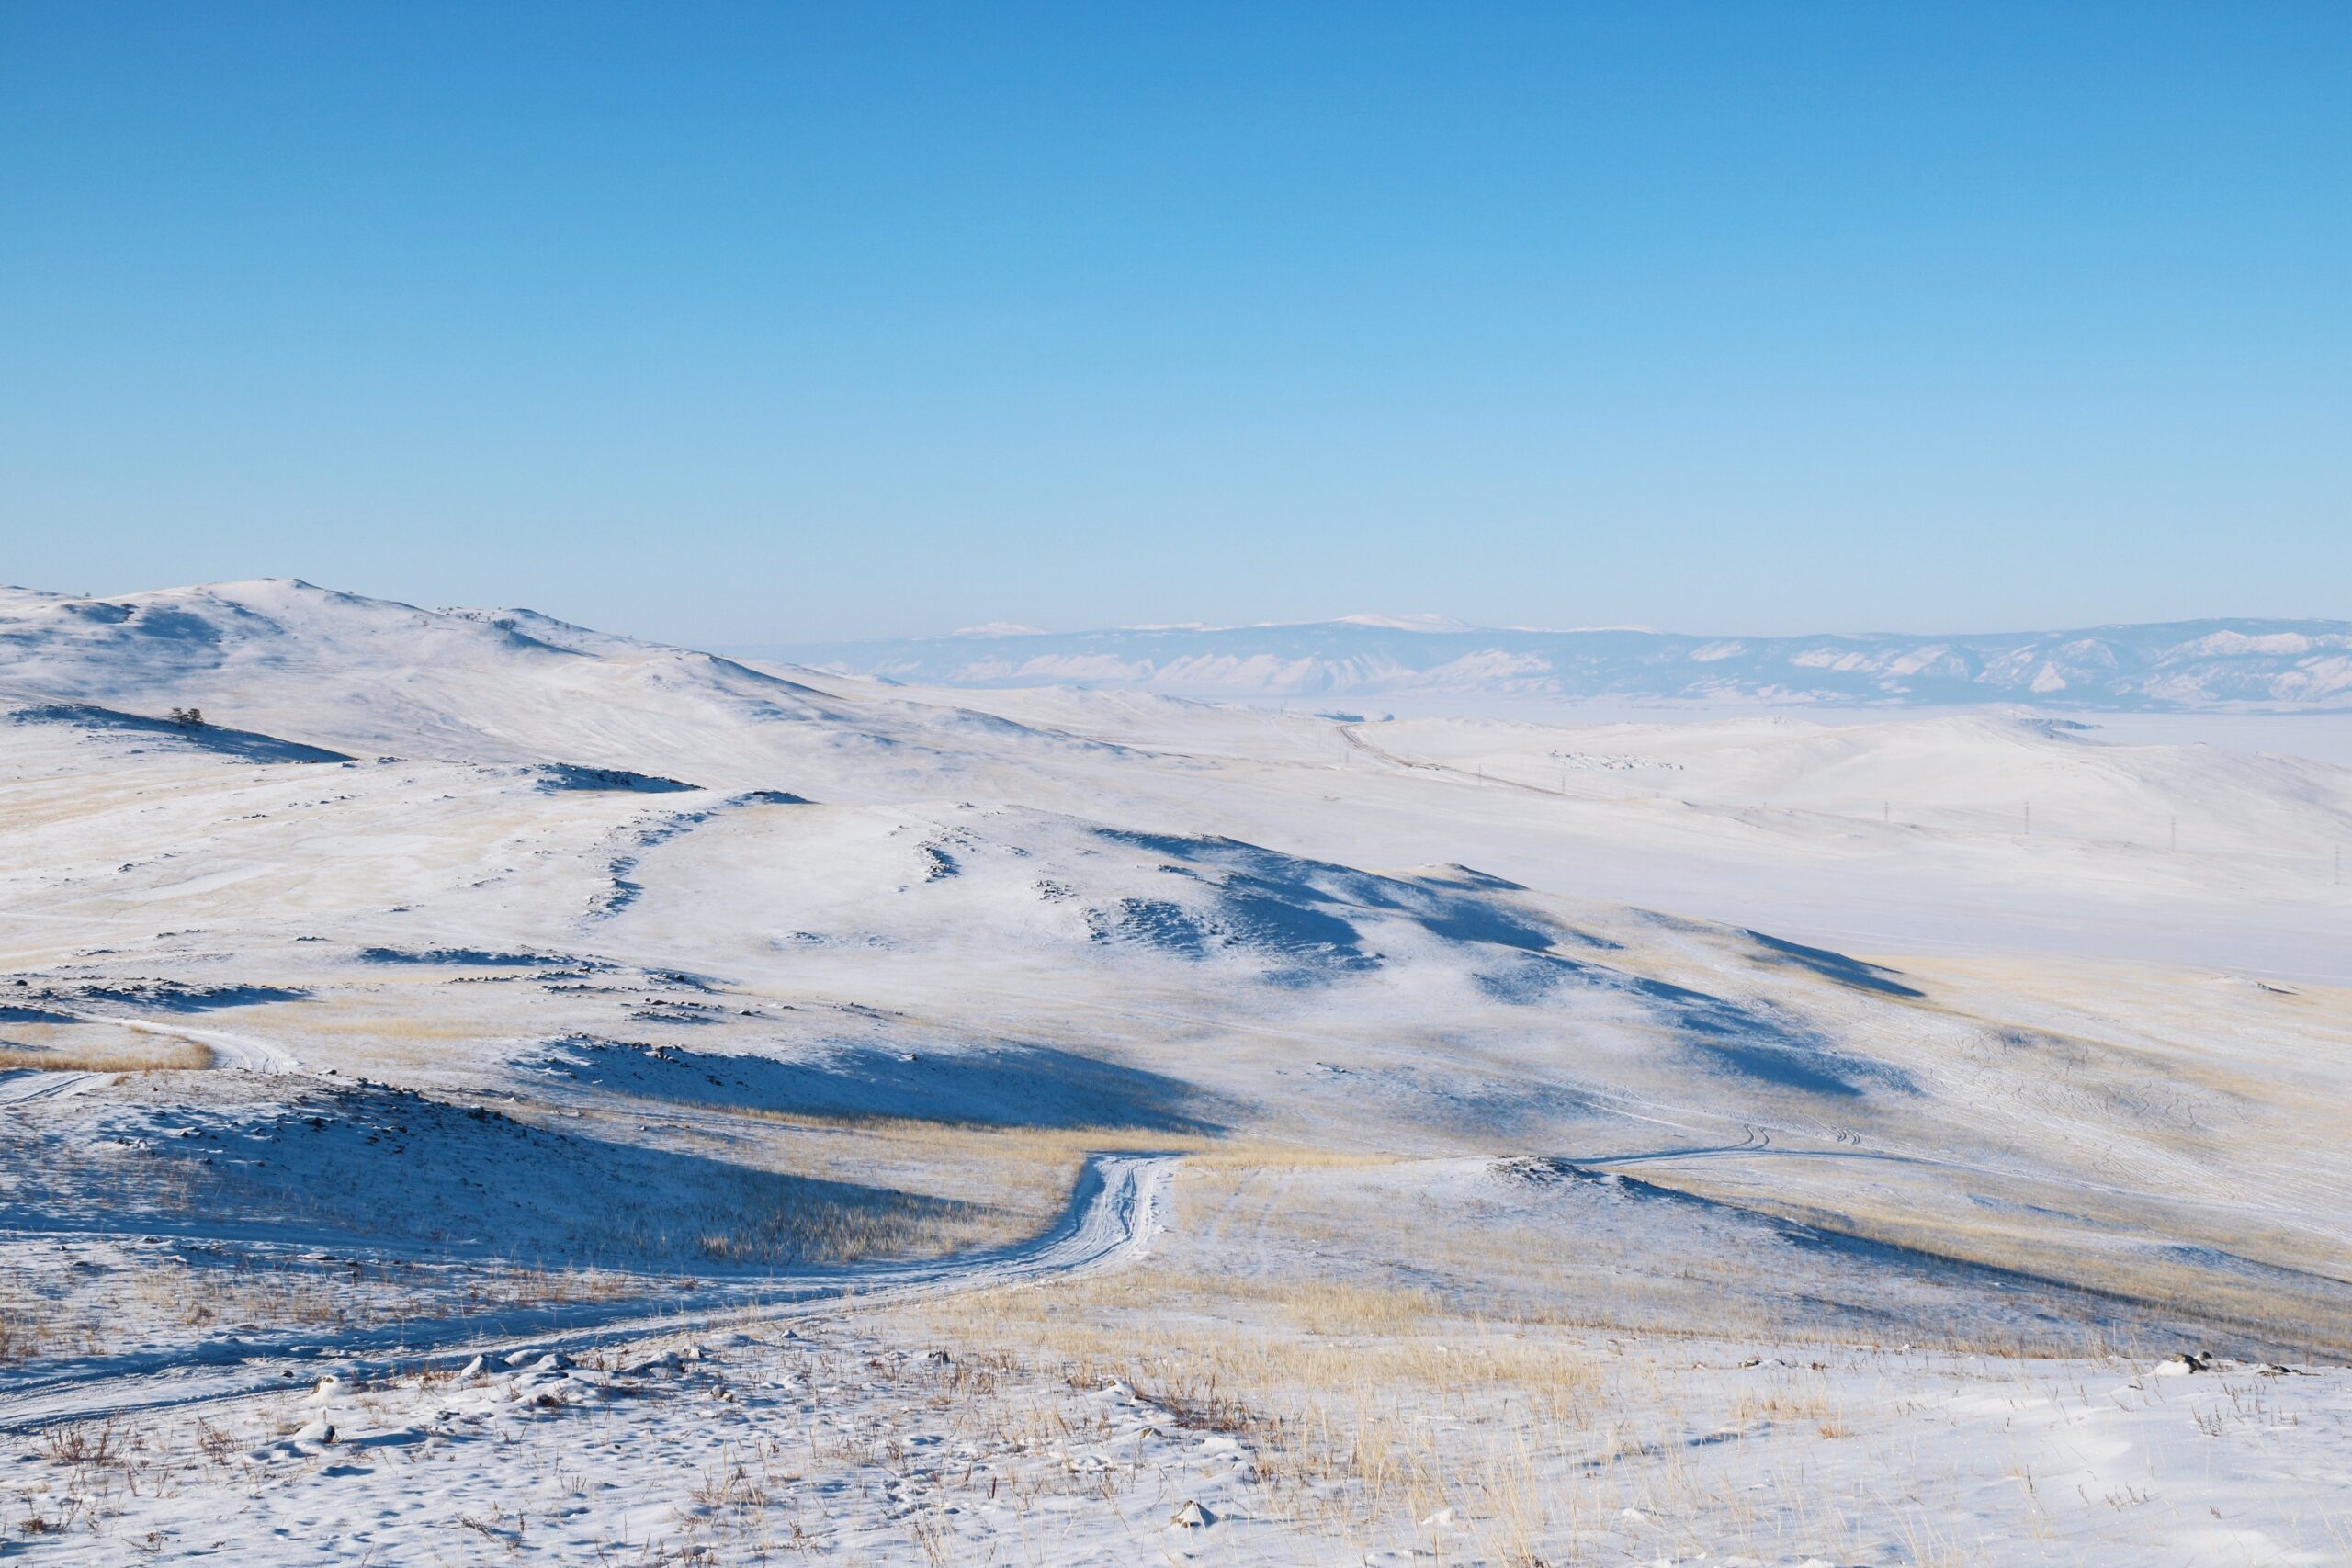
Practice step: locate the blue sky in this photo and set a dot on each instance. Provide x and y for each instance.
(780, 323)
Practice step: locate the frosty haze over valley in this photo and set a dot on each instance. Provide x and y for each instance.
(484, 1089)
(2190, 666)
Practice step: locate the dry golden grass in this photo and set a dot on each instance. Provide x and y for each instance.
(2117, 1262)
(1212, 1150)
(1015, 1181)
(140, 1054)
(1617, 1282)
(1335, 1387)
(1367, 1412)
(430, 1020)
(1789, 1398)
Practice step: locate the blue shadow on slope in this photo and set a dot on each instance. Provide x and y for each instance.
(1749, 1042)
(400, 1171)
(1296, 910)
(247, 745)
(170, 995)
(1002, 1086)
(462, 957)
(1831, 965)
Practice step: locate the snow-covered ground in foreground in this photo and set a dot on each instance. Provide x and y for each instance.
(1440, 1139)
(834, 1442)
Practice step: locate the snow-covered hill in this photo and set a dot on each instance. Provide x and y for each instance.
(2215, 665)
(368, 676)
(465, 975)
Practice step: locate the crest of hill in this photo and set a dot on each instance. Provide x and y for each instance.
(325, 667)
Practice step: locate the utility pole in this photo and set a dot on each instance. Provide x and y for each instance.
(2175, 835)
(2029, 819)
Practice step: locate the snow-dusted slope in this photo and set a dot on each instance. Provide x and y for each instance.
(2217, 665)
(2001, 775)
(468, 975)
(368, 676)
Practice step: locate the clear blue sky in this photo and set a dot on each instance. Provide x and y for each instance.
(774, 323)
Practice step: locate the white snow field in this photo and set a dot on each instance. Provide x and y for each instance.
(492, 1091)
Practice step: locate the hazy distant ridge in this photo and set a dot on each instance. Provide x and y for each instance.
(2175, 666)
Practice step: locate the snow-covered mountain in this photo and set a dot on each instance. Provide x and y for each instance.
(2251, 665)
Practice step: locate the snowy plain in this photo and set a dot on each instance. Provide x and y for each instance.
(498, 1092)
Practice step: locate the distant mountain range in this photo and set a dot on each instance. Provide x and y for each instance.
(2216, 665)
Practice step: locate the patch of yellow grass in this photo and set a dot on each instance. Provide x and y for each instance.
(1332, 1385)
(432, 1025)
(176, 1056)
(1020, 1175)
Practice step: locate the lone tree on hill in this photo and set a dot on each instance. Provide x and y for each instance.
(188, 718)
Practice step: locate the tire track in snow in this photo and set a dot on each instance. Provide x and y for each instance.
(236, 1051)
(1113, 1214)
(34, 1084)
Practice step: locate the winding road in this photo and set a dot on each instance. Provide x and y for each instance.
(1109, 1220)
(1112, 1216)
